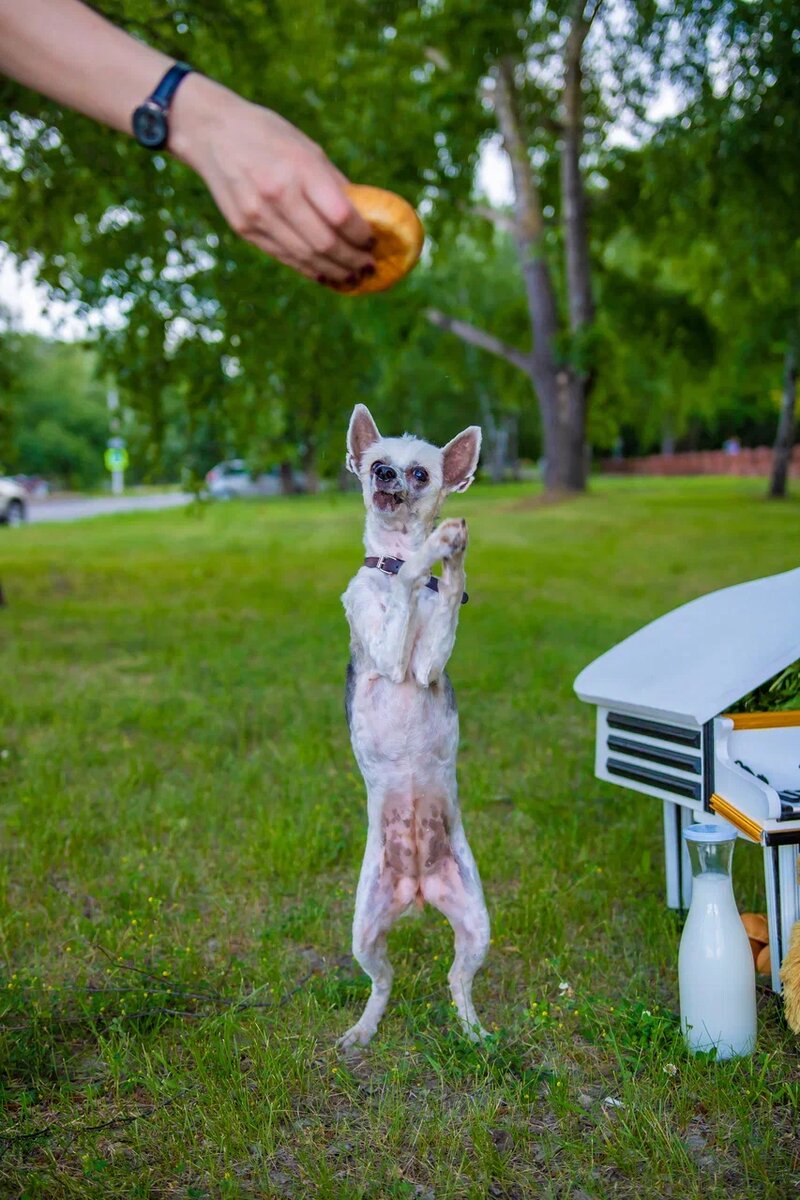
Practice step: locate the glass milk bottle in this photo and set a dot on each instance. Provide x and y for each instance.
(715, 965)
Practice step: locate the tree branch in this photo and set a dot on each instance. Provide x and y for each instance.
(480, 338)
(591, 12)
(502, 220)
(437, 58)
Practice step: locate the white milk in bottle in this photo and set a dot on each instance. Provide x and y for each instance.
(715, 965)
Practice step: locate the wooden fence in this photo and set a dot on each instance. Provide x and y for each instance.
(756, 461)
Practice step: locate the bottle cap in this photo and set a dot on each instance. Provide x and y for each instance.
(710, 833)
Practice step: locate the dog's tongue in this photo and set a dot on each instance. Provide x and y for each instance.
(386, 501)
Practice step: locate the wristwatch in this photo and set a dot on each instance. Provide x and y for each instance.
(149, 120)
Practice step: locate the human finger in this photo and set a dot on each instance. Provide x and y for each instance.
(278, 251)
(282, 233)
(327, 250)
(269, 246)
(327, 195)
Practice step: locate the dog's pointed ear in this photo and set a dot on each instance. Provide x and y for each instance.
(460, 459)
(361, 434)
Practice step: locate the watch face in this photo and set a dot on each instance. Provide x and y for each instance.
(150, 126)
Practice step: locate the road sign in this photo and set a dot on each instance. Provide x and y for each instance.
(116, 458)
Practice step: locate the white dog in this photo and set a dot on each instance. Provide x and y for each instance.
(401, 708)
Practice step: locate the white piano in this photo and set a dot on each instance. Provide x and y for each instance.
(663, 728)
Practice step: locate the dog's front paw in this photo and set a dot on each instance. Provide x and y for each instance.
(449, 539)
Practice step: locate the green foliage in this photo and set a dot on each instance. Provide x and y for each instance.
(55, 420)
(217, 350)
(655, 354)
(711, 208)
(210, 321)
(435, 384)
(780, 692)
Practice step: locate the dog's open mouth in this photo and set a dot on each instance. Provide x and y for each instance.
(387, 501)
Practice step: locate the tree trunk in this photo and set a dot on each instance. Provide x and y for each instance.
(784, 439)
(512, 424)
(551, 382)
(575, 224)
(310, 467)
(562, 388)
(287, 479)
(496, 440)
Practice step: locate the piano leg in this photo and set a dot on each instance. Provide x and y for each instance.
(676, 856)
(783, 902)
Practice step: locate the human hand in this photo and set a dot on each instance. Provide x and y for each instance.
(274, 186)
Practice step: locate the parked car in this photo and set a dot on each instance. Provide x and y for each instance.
(13, 503)
(34, 485)
(231, 479)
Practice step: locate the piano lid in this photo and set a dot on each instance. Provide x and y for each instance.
(696, 661)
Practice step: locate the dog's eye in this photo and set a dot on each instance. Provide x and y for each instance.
(420, 474)
(375, 465)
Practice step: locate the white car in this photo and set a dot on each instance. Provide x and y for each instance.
(13, 503)
(231, 479)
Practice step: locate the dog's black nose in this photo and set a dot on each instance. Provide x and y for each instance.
(383, 473)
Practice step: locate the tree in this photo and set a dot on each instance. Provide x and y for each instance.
(402, 95)
(715, 202)
(198, 316)
(655, 351)
(55, 422)
(558, 78)
(432, 383)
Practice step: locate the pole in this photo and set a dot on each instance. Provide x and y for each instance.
(117, 473)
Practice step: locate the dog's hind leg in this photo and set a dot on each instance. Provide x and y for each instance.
(383, 895)
(450, 882)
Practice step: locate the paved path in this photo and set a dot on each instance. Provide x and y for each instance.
(101, 506)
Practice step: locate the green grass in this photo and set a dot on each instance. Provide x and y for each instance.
(182, 824)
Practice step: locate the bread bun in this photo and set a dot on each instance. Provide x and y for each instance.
(756, 927)
(398, 237)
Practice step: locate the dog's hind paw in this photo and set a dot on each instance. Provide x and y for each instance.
(357, 1035)
(475, 1033)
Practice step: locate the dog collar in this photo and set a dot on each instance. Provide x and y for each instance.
(390, 566)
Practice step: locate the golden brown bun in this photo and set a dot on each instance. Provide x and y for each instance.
(756, 927)
(755, 949)
(764, 963)
(398, 232)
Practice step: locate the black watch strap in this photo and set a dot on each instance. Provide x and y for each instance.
(169, 84)
(149, 121)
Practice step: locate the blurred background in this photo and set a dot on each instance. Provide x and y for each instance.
(613, 185)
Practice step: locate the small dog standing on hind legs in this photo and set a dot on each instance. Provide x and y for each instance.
(402, 711)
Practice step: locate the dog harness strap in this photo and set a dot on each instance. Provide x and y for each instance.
(390, 566)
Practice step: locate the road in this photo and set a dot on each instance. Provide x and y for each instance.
(101, 506)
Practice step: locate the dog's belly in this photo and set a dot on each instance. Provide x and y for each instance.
(401, 727)
(405, 739)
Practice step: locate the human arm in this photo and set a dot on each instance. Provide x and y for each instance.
(274, 186)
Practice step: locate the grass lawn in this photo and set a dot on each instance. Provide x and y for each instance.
(182, 827)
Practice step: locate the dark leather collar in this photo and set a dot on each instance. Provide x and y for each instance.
(390, 566)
